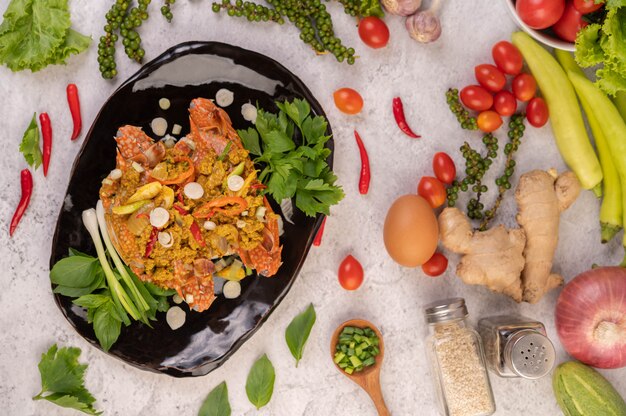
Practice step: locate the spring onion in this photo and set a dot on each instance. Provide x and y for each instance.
(356, 349)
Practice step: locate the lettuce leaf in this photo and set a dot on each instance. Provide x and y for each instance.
(36, 33)
(606, 44)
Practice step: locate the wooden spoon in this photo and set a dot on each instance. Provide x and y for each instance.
(369, 378)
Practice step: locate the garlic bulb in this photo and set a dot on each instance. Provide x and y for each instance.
(401, 7)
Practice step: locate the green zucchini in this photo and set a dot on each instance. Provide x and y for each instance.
(582, 391)
(565, 116)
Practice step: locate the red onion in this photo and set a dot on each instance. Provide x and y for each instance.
(591, 317)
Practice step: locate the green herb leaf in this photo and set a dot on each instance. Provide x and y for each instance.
(35, 34)
(314, 129)
(63, 377)
(297, 110)
(371, 8)
(107, 324)
(75, 292)
(216, 403)
(91, 301)
(30, 143)
(250, 140)
(75, 271)
(260, 382)
(298, 331)
(314, 196)
(74, 252)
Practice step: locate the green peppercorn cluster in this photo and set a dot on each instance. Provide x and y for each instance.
(351, 7)
(476, 165)
(166, 9)
(309, 16)
(466, 121)
(125, 19)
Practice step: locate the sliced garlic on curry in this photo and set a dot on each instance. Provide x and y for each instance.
(209, 225)
(235, 182)
(159, 217)
(115, 174)
(166, 239)
(159, 126)
(193, 190)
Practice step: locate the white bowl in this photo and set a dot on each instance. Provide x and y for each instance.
(540, 36)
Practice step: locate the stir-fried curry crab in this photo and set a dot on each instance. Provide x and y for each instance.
(171, 211)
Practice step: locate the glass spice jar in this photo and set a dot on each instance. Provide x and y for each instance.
(457, 360)
(516, 346)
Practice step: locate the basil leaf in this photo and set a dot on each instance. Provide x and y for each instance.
(216, 403)
(75, 271)
(298, 331)
(107, 325)
(260, 382)
(74, 252)
(91, 301)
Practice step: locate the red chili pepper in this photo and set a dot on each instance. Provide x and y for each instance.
(197, 234)
(179, 196)
(151, 241)
(26, 180)
(181, 210)
(318, 237)
(258, 185)
(74, 102)
(46, 131)
(364, 180)
(398, 113)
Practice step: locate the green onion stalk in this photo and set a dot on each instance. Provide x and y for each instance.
(118, 294)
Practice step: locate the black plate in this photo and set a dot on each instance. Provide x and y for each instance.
(207, 339)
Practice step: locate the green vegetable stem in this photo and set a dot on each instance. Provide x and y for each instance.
(298, 332)
(260, 382)
(611, 211)
(565, 115)
(216, 403)
(610, 122)
(63, 380)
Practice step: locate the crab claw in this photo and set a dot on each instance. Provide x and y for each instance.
(135, 145)
(265, 258)
(211, 126)
(198, 289)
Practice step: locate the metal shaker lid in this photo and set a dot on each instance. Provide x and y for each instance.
(529, 354)
(446, 310)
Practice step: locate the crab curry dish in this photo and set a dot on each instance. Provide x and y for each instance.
(174, 211)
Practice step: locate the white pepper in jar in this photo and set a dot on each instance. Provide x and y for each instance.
(457, 360)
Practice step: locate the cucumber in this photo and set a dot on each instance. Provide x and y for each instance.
(566, 118)
(582, 391)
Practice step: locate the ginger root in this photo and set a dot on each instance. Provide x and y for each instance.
(516, 262)
(493, 258)
(541, 197)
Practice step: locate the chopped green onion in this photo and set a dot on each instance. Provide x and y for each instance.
(356, 349)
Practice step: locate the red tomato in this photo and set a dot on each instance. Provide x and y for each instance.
(432, 190)
(505, 103)
(540, 14)
(507, 57)
(350, 273)
(444, 168)
(374, 32)
(489, 121)
(524, 87)
(587, 6)
(348, 100)
(490, 77)
(569, 24)
(476, 98)
(537, 112)
(437, 264)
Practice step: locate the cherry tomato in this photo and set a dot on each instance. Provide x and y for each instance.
(437, 264)
(505, 103)
(476, 98)
(540, 14)
(507, 57)
(587, 6)
(489, 121)
(524, 87)
(490, 77)
(432, 190)
(444, 168)
(350, 273)
(537, 112)
(374, 32)
(569, 24)
(348, 100)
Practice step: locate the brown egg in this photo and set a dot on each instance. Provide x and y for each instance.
(411, 231)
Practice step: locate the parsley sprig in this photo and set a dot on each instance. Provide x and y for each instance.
(291, 170)
(63, 380)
